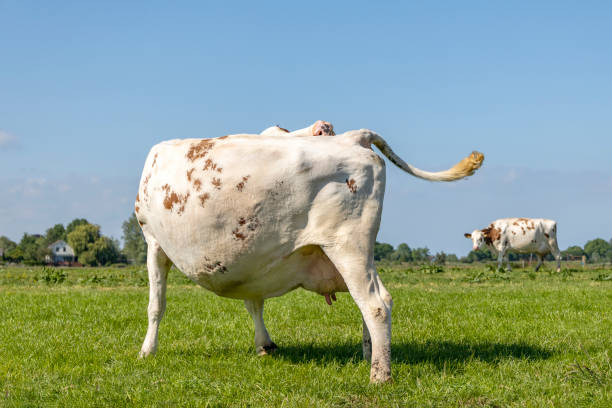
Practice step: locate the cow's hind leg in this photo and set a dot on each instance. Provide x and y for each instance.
(263, 344)
(500, 259)
(359, 274)
(555, 252)
(158, 265)
(367, 340)
(557, 256)
(540, 260)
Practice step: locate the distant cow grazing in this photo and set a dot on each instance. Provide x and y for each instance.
(523, 235)
(255, 216)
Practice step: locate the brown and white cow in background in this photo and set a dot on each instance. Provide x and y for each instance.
(523, 235)
(255, 216)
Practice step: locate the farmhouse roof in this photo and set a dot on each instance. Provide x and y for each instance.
(60, 243)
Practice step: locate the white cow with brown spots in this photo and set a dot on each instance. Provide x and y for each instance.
(254, 216)
(523, 235)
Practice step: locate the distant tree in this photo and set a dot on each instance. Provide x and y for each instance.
(55, 233)
(6, 244)
(10, 250)
(483, 254)
(452, 258)
(120, 255)
(92, 248)
(14, 255)
(134, 244)
(598, 250)
(382, 250)
(88, 257)
(105, 251)
(33, 249)
(420, 254)
(82, 236)
(440, 258)
(573, 251)
(75, 223)
(403, 253)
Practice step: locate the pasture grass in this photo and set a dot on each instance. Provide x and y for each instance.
(462, 337)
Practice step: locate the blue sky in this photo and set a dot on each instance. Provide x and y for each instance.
(86, 88)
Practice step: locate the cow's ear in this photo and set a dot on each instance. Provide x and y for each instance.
(467, 235)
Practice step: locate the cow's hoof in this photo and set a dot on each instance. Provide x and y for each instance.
(381, 378)
(266, 350)
(380, 373)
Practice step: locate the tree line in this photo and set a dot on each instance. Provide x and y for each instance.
(595, 251)
(90, 246)
(403, 253)
(94, 249)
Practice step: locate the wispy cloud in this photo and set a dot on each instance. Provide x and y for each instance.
(511, 176)
(7, 140)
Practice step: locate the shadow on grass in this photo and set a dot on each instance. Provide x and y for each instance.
(438, 353)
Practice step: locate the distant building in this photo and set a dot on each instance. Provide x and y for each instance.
(60, 252)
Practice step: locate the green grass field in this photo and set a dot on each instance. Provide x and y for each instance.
(462, 337)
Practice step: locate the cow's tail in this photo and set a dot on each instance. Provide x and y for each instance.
(464, 168)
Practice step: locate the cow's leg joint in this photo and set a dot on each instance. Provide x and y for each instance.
(263, 343)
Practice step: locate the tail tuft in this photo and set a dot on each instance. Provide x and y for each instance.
(467, 166)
